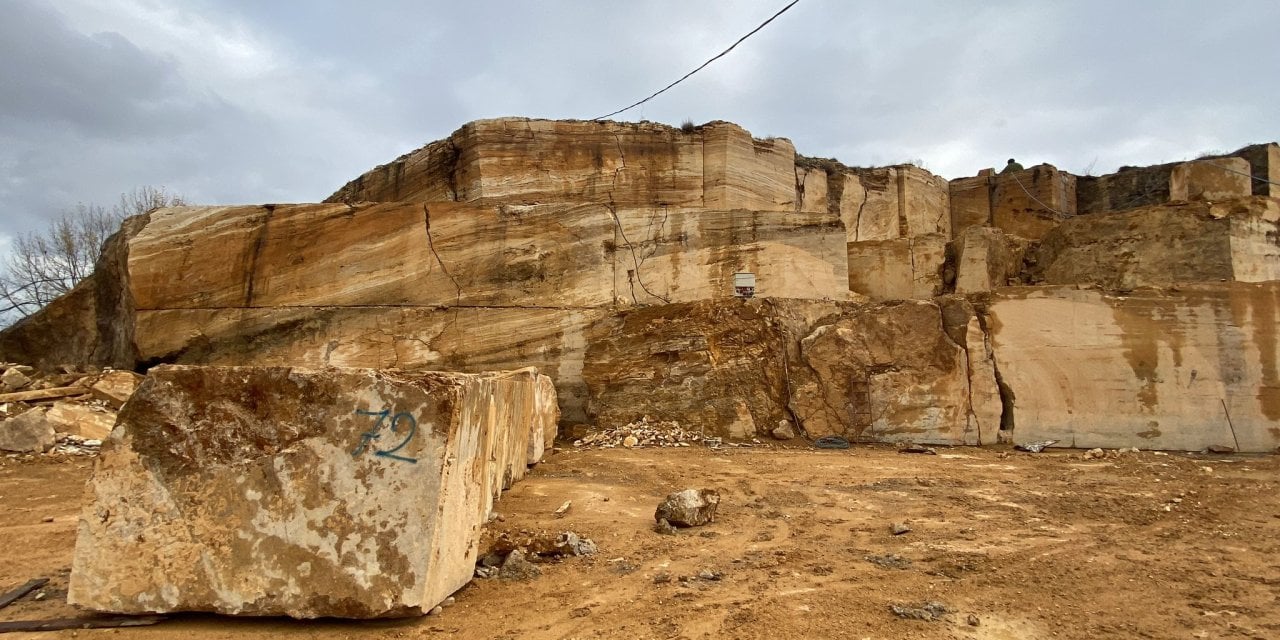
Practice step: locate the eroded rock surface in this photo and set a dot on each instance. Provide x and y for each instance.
(279, 491)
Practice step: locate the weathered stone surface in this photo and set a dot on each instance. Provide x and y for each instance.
(667, 256)
(712, 367)
(1153, 369)
(1133, 187)
(985, 258)
(80, 420)
(901, 201)
(115, 387)
(688, 508)
(903, 268)
(970, 203)
(29, 432)
(886, 373)
(457, 339)
(278, 491)
(1163, 245)
(1211, 180)
(521, 161)
(399, 254)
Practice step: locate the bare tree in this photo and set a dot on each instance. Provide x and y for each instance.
(44, 265)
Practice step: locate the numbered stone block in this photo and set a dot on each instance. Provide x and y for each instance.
(351, 493)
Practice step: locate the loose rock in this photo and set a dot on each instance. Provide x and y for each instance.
(14, 380)
(784, 430)
(516, 567)
(899, 528)
(27, 433)
(664, 527)
(689, 508)
(928, 612)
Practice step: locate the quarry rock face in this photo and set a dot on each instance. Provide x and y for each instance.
(888, 373)
(605, 254)
(736, 369)
(280, 491)
(443, 284)
(1181, 368)
(1164, 245)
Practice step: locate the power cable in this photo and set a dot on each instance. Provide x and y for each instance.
(700, 67)
(1037, 200)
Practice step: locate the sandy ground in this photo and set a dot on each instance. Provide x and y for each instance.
(1026, 546)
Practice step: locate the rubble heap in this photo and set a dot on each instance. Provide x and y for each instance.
(65, 413)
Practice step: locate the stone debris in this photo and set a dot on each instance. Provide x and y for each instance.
(689, 508)
(889, 561)
(72, 445)
(58, 413)
(516, 567)
(645, 432)
(1035, 447)
(929, 611)
(540, 545)
(915, 448)
(348, 493)
(563, 509)
(899, 528)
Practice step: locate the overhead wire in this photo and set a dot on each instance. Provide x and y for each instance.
(701, 66)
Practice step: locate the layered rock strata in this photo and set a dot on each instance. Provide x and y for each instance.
(280, 491)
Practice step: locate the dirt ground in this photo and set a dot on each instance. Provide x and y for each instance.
(1025, 545)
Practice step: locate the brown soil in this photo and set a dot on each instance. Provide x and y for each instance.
(1033, 546)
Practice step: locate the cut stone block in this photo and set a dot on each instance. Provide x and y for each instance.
(1211, 180)
(275, 491)
(904, 268)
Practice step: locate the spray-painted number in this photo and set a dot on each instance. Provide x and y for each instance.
(369, 436)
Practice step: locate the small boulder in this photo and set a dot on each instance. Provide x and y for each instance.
(517, 567)
(689, 508)
(899, 528)
(784, 430)
(13, 380)
(29, 432)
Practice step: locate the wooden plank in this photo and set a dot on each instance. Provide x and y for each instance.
(42, 394)
(99, 622)
(31, 585)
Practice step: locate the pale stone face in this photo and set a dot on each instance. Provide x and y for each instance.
(277, 491)
(1173, 369)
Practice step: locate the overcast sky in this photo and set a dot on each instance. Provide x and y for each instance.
(251, 101)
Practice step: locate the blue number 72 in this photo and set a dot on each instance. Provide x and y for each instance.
(367, 437)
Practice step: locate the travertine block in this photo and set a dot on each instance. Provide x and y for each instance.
(279, 491)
